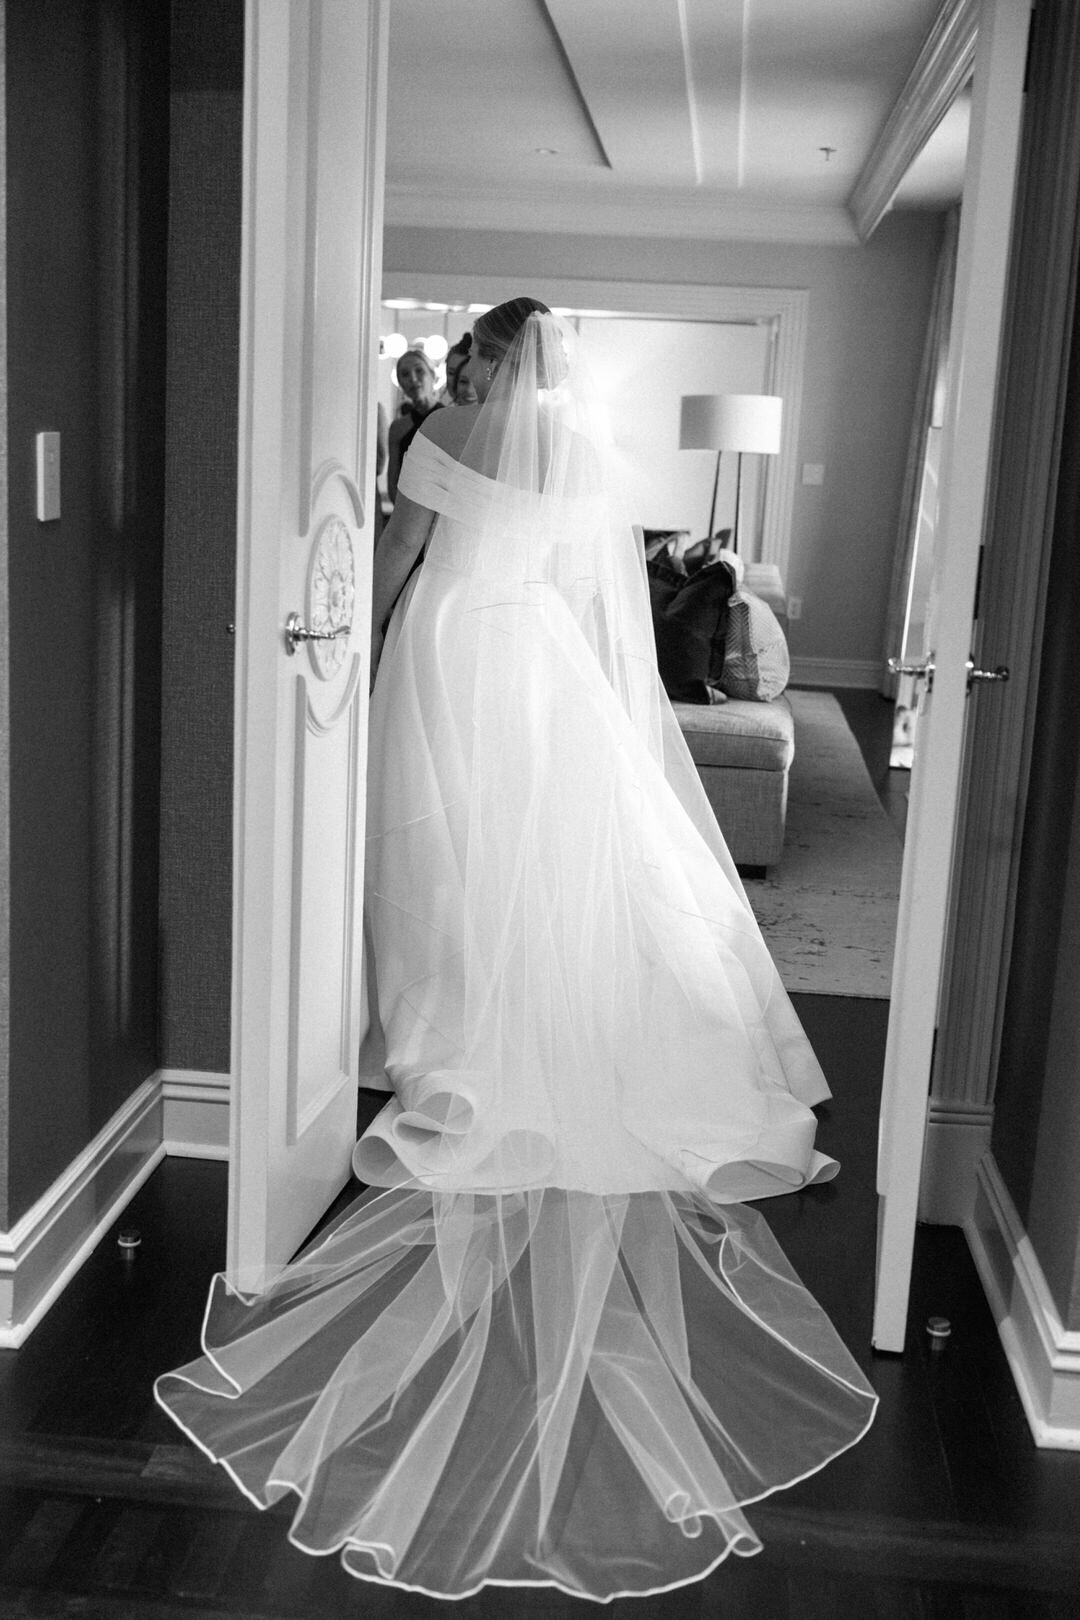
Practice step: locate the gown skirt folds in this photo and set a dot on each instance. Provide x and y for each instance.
(550, 1344)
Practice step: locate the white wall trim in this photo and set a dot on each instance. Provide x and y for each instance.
(943, 66)
(46, 1247)
(195, 1115)
(835, 671)
(183, 1112)
(597, 211)
(786, 306)
(957, 1137)
(1043, 1356)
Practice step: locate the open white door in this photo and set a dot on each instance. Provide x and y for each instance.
(975, 345)
(314, 116)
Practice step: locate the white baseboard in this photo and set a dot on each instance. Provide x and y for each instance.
(1043, 1356)
(957, 1136)
(180, 1112)
(195, 1114)
(45, 1249)
(836, 672)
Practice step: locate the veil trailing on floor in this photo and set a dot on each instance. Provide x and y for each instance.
(550, 1345)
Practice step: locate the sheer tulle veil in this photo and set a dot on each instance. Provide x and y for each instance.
(551, 1345)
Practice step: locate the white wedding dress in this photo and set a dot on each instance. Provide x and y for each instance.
(551, 1345)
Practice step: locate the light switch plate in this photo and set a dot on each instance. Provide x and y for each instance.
(48, 477)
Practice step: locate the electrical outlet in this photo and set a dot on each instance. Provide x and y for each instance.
(794, 608)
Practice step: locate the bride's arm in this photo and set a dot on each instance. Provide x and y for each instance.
(398, 548)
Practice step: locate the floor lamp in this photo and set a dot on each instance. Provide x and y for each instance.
(745, 423)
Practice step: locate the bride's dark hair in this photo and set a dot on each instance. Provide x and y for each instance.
(494, 332)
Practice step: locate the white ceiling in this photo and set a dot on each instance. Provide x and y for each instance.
(713, 118)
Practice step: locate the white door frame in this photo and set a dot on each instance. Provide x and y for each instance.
(315, 84)
(975, 348)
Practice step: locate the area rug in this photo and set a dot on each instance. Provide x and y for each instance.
(828, 909)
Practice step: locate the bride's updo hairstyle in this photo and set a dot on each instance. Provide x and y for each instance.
(494, 333)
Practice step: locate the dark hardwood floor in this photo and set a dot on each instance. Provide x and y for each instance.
(946, 1509)
(870, 717)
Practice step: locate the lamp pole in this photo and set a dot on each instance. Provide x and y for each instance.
(738, 500)
(715, 488)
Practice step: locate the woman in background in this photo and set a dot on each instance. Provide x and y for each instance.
(459, 386)
(416, 379)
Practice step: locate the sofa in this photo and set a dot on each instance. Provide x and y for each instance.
(743, 751)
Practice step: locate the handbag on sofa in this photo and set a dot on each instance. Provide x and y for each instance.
(690, 622)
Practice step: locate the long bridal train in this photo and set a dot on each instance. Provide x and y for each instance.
(536, 1388)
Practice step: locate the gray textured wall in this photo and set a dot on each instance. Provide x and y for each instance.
(200, 532)
(1036, 1135)
(87, 135)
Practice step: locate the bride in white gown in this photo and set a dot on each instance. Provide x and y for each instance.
(551, 1345)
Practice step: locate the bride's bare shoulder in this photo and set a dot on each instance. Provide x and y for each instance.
(450, 427)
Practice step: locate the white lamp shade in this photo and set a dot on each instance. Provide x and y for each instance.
(749, 422)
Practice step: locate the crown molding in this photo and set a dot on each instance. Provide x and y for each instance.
(603, 211)
(943, 67)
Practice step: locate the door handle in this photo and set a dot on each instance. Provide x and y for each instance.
(999, 673)
(297, 631)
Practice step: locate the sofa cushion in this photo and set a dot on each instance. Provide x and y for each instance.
(739, 735)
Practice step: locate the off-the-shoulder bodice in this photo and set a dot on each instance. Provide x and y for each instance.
(491, 522)
(432, 477)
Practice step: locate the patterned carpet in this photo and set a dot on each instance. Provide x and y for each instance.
(828, 910)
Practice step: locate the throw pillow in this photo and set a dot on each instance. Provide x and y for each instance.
(756, 662)
(690, 618)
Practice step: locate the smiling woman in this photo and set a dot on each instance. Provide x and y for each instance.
(415, 376)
